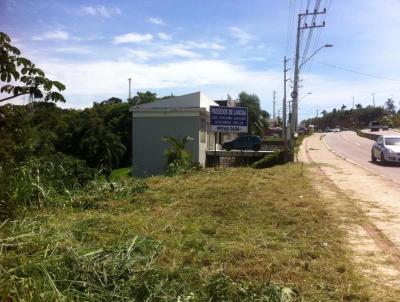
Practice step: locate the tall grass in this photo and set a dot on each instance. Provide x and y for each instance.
(213, 235)
(58, 181)
(52, 268)
(37, 181)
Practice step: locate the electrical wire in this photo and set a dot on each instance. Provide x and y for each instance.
(310, 32)
(328, 4)
(356, 72)
(292, 6)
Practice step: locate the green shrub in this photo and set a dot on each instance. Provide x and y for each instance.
(40, 181)
(269, 160)
(178, 159)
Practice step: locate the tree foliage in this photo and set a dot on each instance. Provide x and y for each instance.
(143, 98)
(390, 106)
(22, 77)
(358, 118)
(257, 118)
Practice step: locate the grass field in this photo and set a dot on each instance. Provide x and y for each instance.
(214, 235)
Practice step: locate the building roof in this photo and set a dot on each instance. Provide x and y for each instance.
(192, 100)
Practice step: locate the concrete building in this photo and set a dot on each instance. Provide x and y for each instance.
(180, 116)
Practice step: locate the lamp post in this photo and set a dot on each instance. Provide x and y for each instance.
(304, 96)
(295, 92)
(129, 89)
(315, 52)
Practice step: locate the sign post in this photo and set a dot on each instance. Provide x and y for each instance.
(227, 119)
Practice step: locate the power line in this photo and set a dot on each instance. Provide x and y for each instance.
(310, 32)
(356, 72)
(328, 4)
(292, 7)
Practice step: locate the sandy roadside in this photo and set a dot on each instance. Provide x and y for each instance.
(370, 212)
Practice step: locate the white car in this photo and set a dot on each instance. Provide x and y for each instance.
(386, 149)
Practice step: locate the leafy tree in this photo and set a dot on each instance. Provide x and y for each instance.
(143, 97)
(257, 118)
(353, 118)
(112, 100)
(343, 107)
(359, 106)
(390, 106)
(30, 79)
(386, 121)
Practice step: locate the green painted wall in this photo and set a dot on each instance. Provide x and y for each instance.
(148, 148)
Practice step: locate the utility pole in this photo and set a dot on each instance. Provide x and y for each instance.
(295, 93)
(284, 115)
(273, 104)
(353, 101)
(373, 98)
(317, 112)
(129, 94)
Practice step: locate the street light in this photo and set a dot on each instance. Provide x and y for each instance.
(315, 52)
(304, 96)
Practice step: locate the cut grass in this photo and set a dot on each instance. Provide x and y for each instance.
(214, 235)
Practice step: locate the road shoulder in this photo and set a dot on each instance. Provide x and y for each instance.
(366, 204)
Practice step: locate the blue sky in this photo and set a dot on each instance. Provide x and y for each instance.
(218, 47)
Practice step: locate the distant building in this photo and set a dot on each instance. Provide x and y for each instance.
(229, 102)
(180, 116)
(272, 123)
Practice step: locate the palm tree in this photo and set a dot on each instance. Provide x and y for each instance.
(177, 152)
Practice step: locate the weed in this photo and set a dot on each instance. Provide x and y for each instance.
(215, 235)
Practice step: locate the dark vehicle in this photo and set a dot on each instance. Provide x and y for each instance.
(374, 126)
(246, 142)
(385, 127)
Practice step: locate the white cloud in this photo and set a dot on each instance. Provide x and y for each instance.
(206, 45)
(74, 50)
(214, 77)
(160, 52)
(257, 59)
(177, 50)
(140, 55)
(88, 81)
(164, 36)
(240, 35)
(156, 21)
(90, 78)
(132, 38)
(100, 10)
(52, 35)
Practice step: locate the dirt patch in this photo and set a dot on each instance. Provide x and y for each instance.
(366, 205)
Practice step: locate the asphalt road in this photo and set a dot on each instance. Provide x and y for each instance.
(358, 149)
